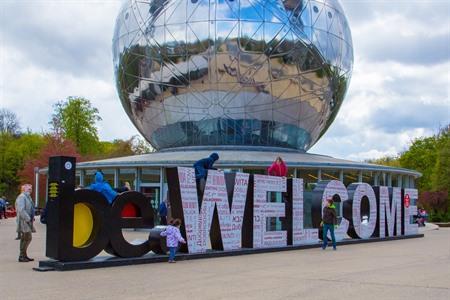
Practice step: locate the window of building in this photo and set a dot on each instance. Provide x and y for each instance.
(330, 174)
(368, 177)
(382, 179)
(151, 188)
(407, 180)
(77, 178)
(395, 181)
(89, 177)
(261, 171)
(231, 170)
(350, 177)
(309, 177)
(108, 176)
(150, 175)
(127, 175)
(389, 179)
(152, 193)
(413, 182)
(376, 178)
(291, 173)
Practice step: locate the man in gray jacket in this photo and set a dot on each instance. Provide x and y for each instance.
(25, 215)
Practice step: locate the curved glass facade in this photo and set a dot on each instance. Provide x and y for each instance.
(232, 72)
(219, 131)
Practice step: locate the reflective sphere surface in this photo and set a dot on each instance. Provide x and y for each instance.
(232, 72)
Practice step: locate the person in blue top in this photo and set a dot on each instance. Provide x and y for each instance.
(201, 172)
(103, 187)
(204, 164)
(163, 213)
(3, 205)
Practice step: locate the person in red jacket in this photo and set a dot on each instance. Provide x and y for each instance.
(278, 168)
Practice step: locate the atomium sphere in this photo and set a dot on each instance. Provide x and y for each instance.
(265, 73)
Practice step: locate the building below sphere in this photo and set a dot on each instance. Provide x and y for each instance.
(146, 173)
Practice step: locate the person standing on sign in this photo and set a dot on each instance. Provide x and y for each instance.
(203, 165)
(201, 172)
(173, 237)
(329, 221)
(25, 213)
(278, 168)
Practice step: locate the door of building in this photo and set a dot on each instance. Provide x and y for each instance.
(152, 194)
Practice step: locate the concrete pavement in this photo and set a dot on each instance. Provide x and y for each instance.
(403, 269)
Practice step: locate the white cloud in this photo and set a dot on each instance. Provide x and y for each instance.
(407, 31)
(388, 105)
(38, 89)
(55, 50)
(400, 88)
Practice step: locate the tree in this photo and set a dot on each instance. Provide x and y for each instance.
(140, 146)
(57, 129)
(440, 179)
(116, 148)
(421, 156)
(119, 147)
(431, 157)
(53, 146)
(75, 119)
(8, 122)
(14, 151)
(391, 161)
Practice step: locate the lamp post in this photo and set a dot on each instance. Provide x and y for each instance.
(36, 186)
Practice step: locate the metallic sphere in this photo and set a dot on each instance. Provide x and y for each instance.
(232, 72)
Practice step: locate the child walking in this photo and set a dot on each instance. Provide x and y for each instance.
(329, 221)
(173, 237)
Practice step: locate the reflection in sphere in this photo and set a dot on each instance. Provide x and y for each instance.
(232, 72)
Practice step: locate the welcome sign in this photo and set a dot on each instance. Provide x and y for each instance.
(235, 209)
(231, 213)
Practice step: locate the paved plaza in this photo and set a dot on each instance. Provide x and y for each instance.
(402, 269)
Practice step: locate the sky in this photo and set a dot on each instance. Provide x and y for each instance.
(400, 88)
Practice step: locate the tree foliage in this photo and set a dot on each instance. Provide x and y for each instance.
(14, 151)
(73, 133)
(52, 146)
(391, 161)
(75, 119)
(118, 148)
(440, 178)
(140, 146)
(437, 204)
(431, 157)
(9, 123)
(421, 156)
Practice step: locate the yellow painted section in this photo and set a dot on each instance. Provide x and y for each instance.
(83, 224)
